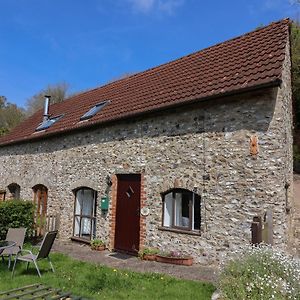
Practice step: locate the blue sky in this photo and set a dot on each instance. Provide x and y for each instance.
(88, 43)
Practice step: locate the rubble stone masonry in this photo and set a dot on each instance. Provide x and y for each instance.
(202, 147)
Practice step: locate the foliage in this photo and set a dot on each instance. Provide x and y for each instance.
(58, 93)
(98, 282)
(97, 243)
(295, 50)
(260, 273)
(147, 251)
(175, 254)
(10, 115)
(14, 214)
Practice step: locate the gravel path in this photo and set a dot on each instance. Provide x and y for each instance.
(122, 261)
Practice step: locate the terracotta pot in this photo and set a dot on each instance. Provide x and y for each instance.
(186, 261)
(151, 257)
(98, 248)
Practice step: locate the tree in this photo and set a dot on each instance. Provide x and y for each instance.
(10, 115)
(58, 93)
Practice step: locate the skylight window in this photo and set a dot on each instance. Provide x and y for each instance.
(48, 123)
(95, 109)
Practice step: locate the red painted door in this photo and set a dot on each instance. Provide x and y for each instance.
(127, 232)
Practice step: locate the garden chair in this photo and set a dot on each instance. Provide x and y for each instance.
(43, 253)
(16, 235)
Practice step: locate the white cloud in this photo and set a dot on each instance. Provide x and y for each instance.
(142, 5)
(164, 6)
(169, 6)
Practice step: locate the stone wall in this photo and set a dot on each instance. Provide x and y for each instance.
(296, 219)
(203, 147)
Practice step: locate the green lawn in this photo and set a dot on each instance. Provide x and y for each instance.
(99, 282)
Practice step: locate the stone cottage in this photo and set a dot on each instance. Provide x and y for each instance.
(182, 156)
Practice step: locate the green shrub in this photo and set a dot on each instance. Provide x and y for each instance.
(260, 273)
(14, 214)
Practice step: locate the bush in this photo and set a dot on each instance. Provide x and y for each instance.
(260, 273)
(14, 214)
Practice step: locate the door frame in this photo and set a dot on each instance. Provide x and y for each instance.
(113, 210)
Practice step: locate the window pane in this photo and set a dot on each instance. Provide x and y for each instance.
(79, 200)
(48, 123)
(168, 209)
(197, 213)
(95, 109)
(76, 226)
(87, 205)
(86, 228)
(182, 210)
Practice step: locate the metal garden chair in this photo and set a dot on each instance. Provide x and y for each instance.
(43, 253)
(16, 235)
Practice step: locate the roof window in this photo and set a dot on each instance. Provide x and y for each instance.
(95, 109)
(48, 123)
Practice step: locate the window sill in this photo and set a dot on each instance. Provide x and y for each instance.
(81, 240)
(197, 233)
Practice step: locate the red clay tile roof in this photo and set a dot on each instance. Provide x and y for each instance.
(252, 60)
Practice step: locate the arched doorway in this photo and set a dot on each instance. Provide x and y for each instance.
(40, 196)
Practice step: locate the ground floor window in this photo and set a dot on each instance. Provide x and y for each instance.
(181, 209)
(14, 191)
(85, 213)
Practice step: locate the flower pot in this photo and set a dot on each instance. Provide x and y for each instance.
(98, 248)
(186, 261)
(150, 257)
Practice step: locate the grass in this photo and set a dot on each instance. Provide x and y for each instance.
(99, 282)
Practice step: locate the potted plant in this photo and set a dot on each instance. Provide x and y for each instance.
(97, 244)
(174, 257)
(148, 253)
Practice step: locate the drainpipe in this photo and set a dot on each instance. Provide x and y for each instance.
(46, 108)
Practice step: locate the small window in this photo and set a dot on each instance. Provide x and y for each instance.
(48, 123)
(14, 191)
(181, 210)
(85, 213)
(93, 111)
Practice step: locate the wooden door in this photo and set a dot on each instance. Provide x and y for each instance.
(40, 200)
(127, 231)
